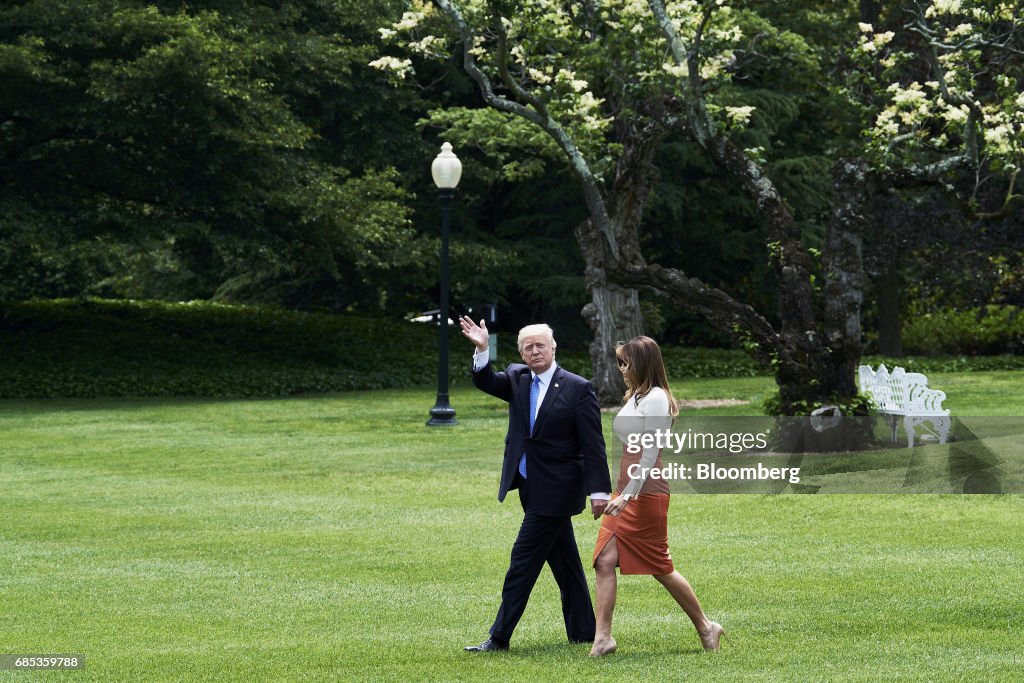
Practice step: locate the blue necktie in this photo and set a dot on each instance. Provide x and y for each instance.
(534, 395)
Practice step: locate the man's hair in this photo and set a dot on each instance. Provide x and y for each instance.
(532, 330)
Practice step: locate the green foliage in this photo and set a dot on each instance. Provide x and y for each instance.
(856, 405)
(983, 330)
(217, 148)
(83, 348)
(91, 347)
(697, 362)
(966, 364)
(684, 362)
(517, 150)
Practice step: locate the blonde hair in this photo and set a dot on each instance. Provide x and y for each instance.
(643, 368)
(533, 330)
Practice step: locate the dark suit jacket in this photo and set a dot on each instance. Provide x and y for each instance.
(565, 455)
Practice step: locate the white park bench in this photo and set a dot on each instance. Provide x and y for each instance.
(905, 394)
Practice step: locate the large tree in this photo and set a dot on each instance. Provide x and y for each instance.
(942, 83)
(210, 148)
(606, 82)
(538, 67)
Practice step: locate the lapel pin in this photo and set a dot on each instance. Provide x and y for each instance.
(556, 386)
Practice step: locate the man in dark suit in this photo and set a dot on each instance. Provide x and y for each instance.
(555, 456)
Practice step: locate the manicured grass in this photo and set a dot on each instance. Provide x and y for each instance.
(753, 390)
(338, 538)
(981, 393)
(969, 393)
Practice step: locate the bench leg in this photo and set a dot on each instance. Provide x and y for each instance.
(941, 425)
(893, 421)
(908, 427)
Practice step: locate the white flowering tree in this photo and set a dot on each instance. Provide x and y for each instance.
(606, 82)
(941, 83)
(947, 86)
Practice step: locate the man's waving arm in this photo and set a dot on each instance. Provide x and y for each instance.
(484, 377)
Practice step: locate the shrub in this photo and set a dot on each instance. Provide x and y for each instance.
(92, 347)
(858, 405)
(86, 348)
(976, 331)
(926, 364)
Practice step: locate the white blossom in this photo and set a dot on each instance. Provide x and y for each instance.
(911, 96)
(538, 76)
(424, 45)
(677, 70)
(739, 115)
(956, 115)
(393, 65)
(409, 21)
(998, 136)
(886, 122)
(959, 31)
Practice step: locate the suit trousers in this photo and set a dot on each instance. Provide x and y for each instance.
(545, 539)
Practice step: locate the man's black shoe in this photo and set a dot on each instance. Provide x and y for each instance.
(489, 645)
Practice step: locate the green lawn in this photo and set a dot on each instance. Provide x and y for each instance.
(337, 538)
(975, 393)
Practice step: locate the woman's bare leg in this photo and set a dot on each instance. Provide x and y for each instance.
(604, 567)
(680, 589)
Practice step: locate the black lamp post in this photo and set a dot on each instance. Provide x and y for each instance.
(446, 170)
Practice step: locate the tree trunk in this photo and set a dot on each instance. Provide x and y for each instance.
(890, 335)
(613, 315)
(810, 367)
(844, 278)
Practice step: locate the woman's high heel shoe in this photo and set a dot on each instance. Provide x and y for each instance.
(713, 639)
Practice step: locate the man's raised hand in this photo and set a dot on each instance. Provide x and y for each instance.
(477, 334)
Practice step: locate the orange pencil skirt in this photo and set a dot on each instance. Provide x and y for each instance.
(641, 533)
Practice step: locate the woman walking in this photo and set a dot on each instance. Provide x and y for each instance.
(634, 529)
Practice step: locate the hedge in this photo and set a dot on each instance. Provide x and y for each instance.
(93, 347)
(86, 348)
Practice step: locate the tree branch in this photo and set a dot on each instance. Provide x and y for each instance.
(1010, 203)
(790, 261)
(721, 310)
(591, 189)
(913, 176)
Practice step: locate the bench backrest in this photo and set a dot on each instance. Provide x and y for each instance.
(901, 392)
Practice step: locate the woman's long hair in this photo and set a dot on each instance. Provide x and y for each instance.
(643, 368)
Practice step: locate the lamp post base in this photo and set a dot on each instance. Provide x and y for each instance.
(442, 414)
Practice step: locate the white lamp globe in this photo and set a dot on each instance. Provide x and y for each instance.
(446, 169)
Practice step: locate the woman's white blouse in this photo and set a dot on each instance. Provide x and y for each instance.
(649, 414)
